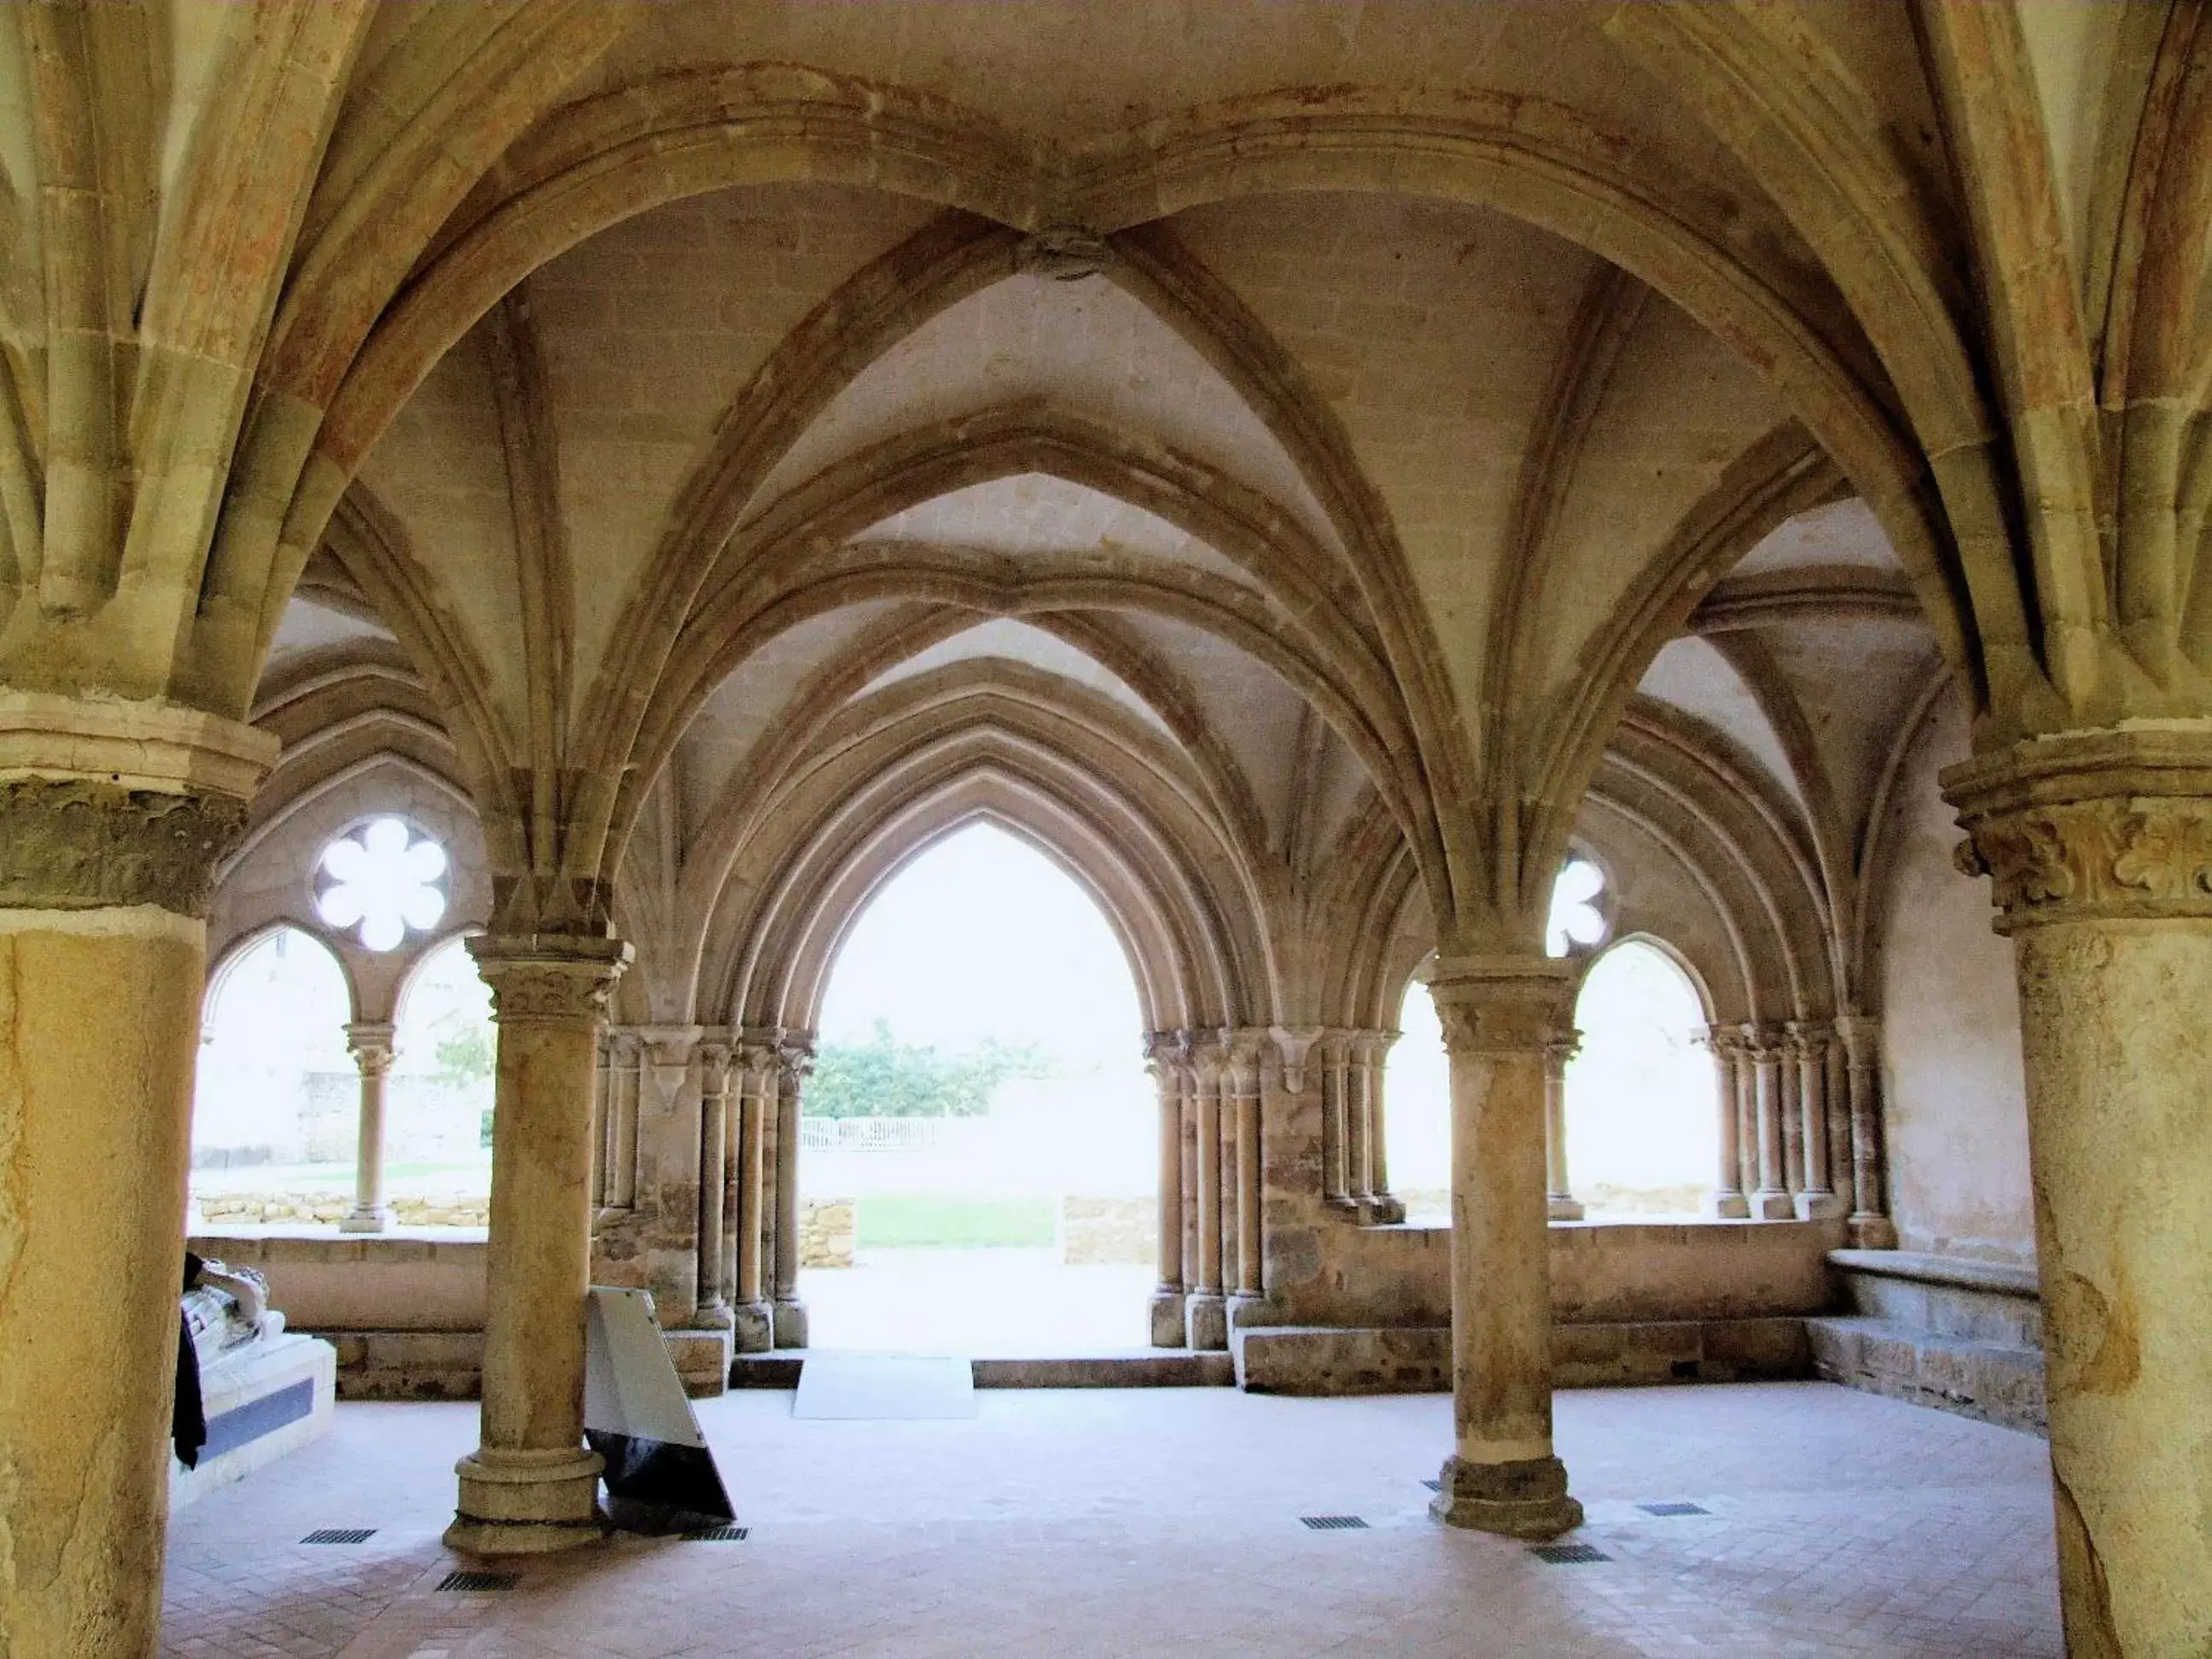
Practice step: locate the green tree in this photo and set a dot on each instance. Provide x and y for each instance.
(886, 1077)
(466, 1059)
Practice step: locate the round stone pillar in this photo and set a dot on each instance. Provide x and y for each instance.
(1560, 1204)
(1500, 1016)
(532, 1487)
(369, 1042)
(2099, 849)
(112, 819)
(754, 1317)
(1164, 1054)
(1728, 1201)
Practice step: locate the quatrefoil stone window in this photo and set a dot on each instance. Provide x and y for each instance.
(1575, 919)
(384, 880)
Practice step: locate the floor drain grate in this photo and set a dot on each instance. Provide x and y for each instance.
(1332, 1524)
(478, 1581)
(716, 1535)
(1434, 1486)
(340, 1535)
(1565, 1555)
(1674, 1508)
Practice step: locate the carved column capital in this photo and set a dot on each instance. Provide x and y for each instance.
(1502, 1005)
(552, 979)
(1165, 1052)
(1292, 1044)
(1246, 1045)
(2091, 825)
(1762, 1042)
(369, 1042)
(795, 1057)
(716, 1058)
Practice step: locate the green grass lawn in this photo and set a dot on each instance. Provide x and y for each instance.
(904, 1221)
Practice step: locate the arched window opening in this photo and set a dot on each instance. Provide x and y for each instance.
(979, 1163)
(1642, 1131)
(437, 1145)
(1417, 1115)
(275, 1099)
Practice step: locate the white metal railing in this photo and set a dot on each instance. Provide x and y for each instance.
(875, 1134)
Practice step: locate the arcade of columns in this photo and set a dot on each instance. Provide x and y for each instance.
(1857, 251)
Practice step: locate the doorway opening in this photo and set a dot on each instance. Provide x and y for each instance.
(978, 1170)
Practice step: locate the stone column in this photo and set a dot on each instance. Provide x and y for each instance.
(1369, 1050)
(1336, 1117)
(1792, 1103)
(602, 1078)
(1743, 1083)
(794, 1059)
(112, 819)
(1163, 1052)
(626, 1051)
(2098, 848)
(1836, 1091)
(1243, 1102)
(670, 1103)
(753, 1317)
(1206, 1309)
(1356, 1121)
(1559, 1196)
(369, 1042)
(1772, 1201)
(1728, 1201)
(1871, 1229)
(531, 1488)
(715, 1182)
(1808, 1047)
(1499, 1014)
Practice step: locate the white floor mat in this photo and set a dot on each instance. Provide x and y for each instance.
(884, 1387)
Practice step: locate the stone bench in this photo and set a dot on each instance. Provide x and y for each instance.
(1960, 1335)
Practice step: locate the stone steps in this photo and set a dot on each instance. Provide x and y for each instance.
(1987, 1381)
(1162, 1368)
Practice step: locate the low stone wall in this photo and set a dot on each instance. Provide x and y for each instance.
(362, 1282)
(828, 1232)
(1109, 1231)
(280, 1210)
(1311, 1360)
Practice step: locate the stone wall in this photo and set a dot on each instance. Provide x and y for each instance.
(291, 1209)
(1109, 1231)
(1954, 1100)
(828, 1232)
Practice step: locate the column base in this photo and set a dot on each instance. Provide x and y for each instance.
(1729, 1206)
(1820, 1206)
(752, 1327)
(1773, 1205)
(1563, 1209)
(1207, 1316)
(525, 1502)
(1382, 1209)
(712, 1316)
(790, 1324)
(1167, 1318)
(1873, 1232)
(366, 1221)
(1526, 1500)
